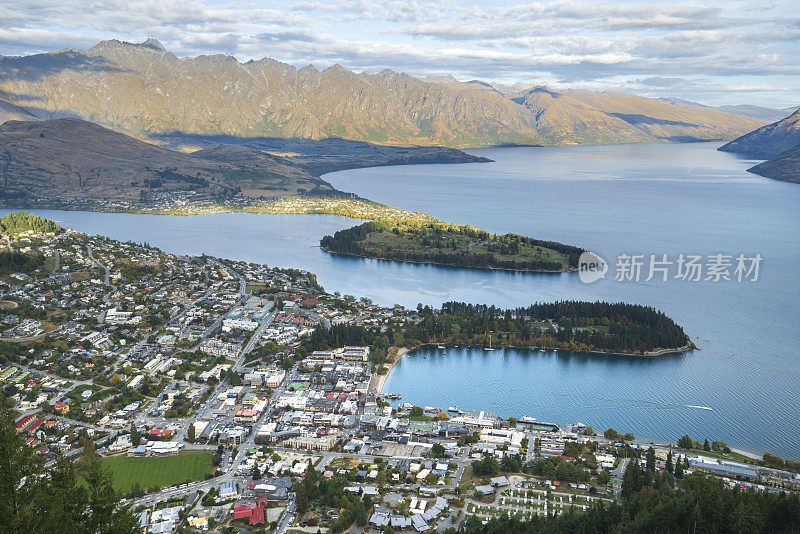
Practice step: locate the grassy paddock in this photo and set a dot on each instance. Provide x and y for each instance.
(163, 471)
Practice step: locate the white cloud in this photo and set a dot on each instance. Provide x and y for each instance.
(577, 42)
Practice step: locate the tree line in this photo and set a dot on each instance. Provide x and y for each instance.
(22, 221)
(13, 261)
(597, 326)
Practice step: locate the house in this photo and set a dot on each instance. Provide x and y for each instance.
(228, 489)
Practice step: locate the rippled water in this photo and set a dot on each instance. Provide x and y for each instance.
(637, 199)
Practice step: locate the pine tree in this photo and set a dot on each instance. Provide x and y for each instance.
(35, 500)
(679, 470)
(670, 467)
(651, 460)
(136, 437)
(706, 446)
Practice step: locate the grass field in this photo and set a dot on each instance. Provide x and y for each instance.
(411, 242)
(162, 471)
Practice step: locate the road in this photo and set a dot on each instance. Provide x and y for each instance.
(107, 280)
(620, 470)
(242, 280)
(57, 263)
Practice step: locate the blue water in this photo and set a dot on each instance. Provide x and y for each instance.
(637, 199)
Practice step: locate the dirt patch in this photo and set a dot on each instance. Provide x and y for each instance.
(344, 463)
(7, 305)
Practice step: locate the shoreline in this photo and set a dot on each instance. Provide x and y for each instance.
(379, 383)
(656, 354)
(485, 268)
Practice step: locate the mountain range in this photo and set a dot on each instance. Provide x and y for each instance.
(145, 91)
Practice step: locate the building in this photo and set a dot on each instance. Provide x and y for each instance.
(217, 347)
(322, 444)
(228, 490)
(246, 416)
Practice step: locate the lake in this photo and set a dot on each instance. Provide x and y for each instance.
(741, 387)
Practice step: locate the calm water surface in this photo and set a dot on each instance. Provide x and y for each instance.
(743, 385)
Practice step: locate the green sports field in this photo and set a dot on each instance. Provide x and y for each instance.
(163, 471)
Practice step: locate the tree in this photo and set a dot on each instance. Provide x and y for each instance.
(105, 514)
(36, 500)
(488, 466)
(651, 460)
(633, 479)
(136, 437)
(669, 465)
(678, 470)
(603, 477)
(256, 473)
(706, 446)
(416, 411)
(190, 433)
(685, 442)
(437, 451)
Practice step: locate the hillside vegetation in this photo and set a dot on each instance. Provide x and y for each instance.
(22, 221)
(449, 244)
(578, 326)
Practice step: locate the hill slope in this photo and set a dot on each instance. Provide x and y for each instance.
(10, 112)
(144, 90)
(71, 159)
(770, 140)
(663, 120)
(784, 167)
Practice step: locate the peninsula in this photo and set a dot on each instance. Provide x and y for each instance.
(598, 327)
(432, 241)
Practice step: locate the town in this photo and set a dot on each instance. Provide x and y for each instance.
(228, 395)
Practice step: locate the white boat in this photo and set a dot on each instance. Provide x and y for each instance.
(439, 346)
(490, 344)
(452, 409)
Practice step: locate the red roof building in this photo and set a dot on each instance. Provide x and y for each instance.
(36, 425)
(245, 510)
(258, 516)
(24, 422)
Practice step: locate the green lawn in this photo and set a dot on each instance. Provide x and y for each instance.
(411, 242)
(163, 471)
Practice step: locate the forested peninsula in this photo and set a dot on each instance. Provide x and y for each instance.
(614, 328)
(451, 244)
(599, 327)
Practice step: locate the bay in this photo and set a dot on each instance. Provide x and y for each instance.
(742, 386)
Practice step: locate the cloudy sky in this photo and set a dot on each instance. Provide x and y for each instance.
(716, 52)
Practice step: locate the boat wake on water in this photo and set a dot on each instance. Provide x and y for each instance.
(699, 407)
